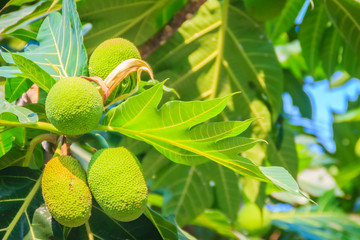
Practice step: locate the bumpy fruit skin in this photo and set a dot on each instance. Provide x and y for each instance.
(109, 54)
(263, 10)
(74, 106)
(253, 220)
(65, 191)
(117, 183)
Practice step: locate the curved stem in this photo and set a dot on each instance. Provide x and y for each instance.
(38, 125)
(38, 139)
(124, 69)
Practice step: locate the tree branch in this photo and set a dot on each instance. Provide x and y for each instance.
(160, 38)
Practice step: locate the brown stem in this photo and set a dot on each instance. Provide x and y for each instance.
(64, 146)
(185, 13)
(104, 88)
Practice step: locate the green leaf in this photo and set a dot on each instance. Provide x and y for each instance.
(286, 19)
(14, 157)
(169, 130)
(15, 87)
(300, 98)
(9, 19)
(167, 229)
(217, 221)
(227, 189)
(6, 140)
(60, 46)
(330, 51)
(136, 20)
(318, 225)
(34, 72)
(109, 228)
(311, 33)
(219, 51)
(42, 8)
(285, 156)
(9, 71)
(187, 193)
(23, 34)
(282, 178)
(216, 131)
(351, 62)
(345, 16)
(16, 3)
(42, 226)
(24, 115)
(20, 197)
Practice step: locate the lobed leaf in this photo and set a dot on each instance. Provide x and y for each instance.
(168, 130)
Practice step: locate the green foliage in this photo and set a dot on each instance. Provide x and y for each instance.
(198, 168)
(263, 10)
(74, 106)
(253, 220)
(65, 191)
(116, 180)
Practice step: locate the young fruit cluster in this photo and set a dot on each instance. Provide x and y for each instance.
(74, 106)
(114, 178)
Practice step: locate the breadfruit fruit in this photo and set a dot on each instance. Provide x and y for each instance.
(117, 183)
(109, 54)
(74, 106)
(263, 10)
(252, 219)
(65, 191)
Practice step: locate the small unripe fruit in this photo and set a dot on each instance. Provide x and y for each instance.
(65, 191)
(74, 106)
(109, 54)
(117, 183)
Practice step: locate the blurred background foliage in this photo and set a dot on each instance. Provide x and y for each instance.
(295, 64)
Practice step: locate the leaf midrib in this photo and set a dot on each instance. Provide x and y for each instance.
(23, 208)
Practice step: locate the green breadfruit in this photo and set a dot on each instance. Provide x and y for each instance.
(109, 54)
(65, 191)
(117, 183)
(74, 106)
(263, 10)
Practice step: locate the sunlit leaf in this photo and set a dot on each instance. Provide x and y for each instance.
(24, 115)
(12, 18)
(60, 45)
(168, 130)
